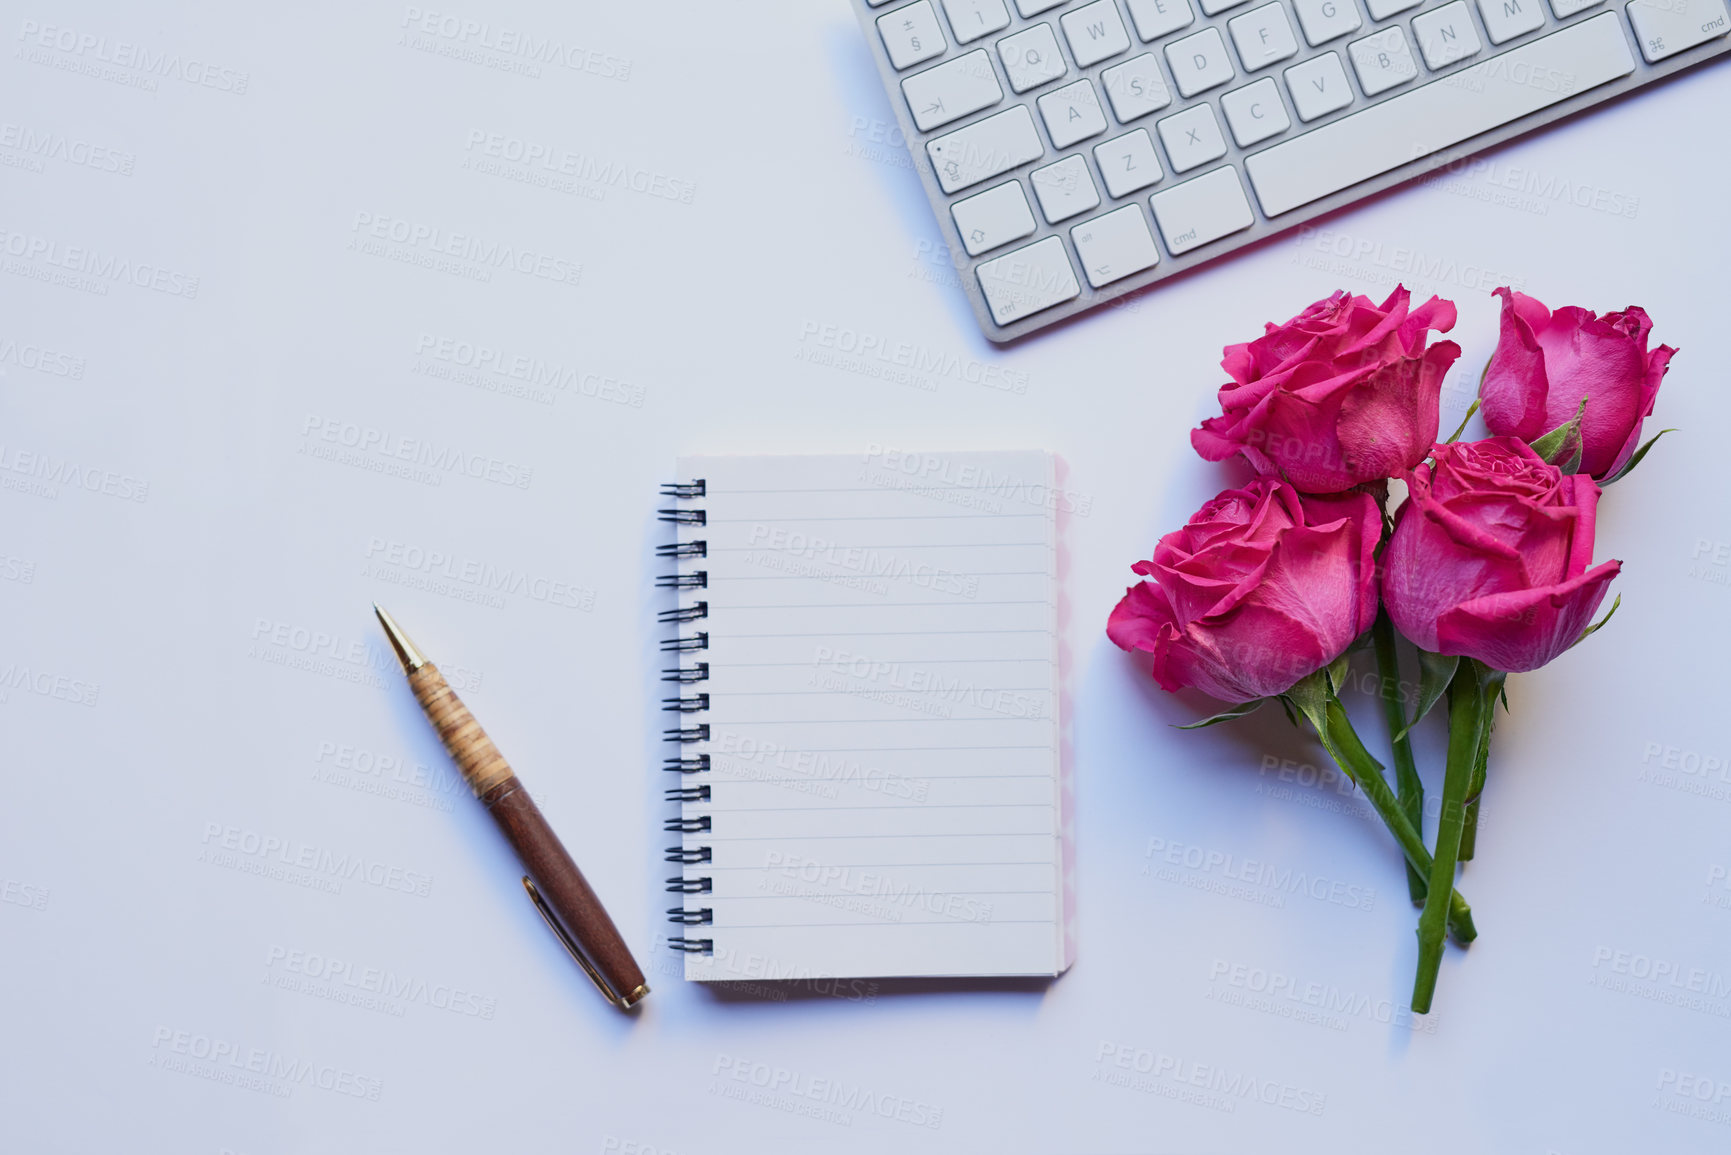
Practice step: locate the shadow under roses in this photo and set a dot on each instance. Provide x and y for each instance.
(1241, 748)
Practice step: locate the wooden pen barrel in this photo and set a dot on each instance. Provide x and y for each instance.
(562, 887)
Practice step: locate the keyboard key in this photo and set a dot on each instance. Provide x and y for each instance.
(1254, 113)
(1065, 189)
(1192, 137)
(985, 148)
(1382, 60)
(1263, 36)
(1323, 20)
(1199, 62)
(1031, 58)
(1567, 8)
(1439, 115)
(1035, 7)
(1210, 7)
(1507, 19)
(1095, 32)
(1114, 245)
(1318, 86)
(1446, 35)
(1155, 18)
(1136, 87)
(1072, 113)
(952, 90)
(911, 34)
(1202, 210)
(1383, 9)
(1022, 283)
(1667, 27)
(1128, 163)
(972, 19)
(995, 217)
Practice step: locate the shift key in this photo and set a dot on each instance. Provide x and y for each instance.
(984, 149)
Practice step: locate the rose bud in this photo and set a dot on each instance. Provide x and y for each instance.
(1546, 363)
(1261, 588)
(1343, 393)
(1490, 556)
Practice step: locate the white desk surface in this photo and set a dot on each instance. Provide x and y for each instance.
(189, 659)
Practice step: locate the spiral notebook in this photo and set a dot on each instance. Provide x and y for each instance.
(865, 732)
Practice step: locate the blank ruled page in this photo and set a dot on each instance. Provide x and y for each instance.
(883, 734)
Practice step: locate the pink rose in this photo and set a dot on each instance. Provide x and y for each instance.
(1261, 588)
(1343, 393)
(1490, 556)
(1547, 362)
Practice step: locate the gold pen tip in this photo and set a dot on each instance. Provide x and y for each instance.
(407, 652)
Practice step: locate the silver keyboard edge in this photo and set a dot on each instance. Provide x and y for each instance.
(1262, 229)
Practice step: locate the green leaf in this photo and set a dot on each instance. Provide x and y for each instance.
(1310, 695)
(1635, 459)
(1338, 669)
(1471, 409)
(1435, 673)
(1287, 706)
(1562, 446)
(1237, 711)
(1592, 629)
(1496, 687)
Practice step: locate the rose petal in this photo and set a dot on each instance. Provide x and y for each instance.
(1513, 389)
(1138, 618)
(1524, 629)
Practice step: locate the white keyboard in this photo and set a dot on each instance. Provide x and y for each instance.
(1077, 150)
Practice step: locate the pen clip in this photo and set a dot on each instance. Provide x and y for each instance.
(559, 931)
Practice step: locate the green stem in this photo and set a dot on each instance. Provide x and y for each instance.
(1466, 706)
(1409, 789)
(1470, 827)
(1342, 743)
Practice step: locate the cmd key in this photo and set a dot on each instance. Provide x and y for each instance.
(1667, 27)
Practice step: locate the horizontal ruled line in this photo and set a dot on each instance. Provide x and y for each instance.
(960, 891)
(854, 809)
(877, 634)
(884, 922)
(894, 689)
(875, 577)
(874, 721)
(707, 836)
(909, 661)
(1041, 544)
(945, 488)
(921, 776)
(711, 869)
(897, 748)
(956, 605)
(879, 517)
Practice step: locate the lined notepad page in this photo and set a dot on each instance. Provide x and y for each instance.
(885, 785)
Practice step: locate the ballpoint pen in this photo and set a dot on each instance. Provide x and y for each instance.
(555, 885)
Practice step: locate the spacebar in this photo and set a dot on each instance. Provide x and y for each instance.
(1441, 114)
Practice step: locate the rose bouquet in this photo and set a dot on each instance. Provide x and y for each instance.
(1486, 566)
